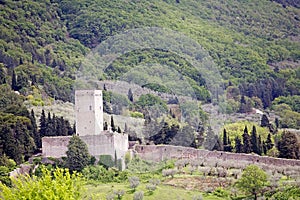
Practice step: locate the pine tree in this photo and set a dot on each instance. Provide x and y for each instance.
(254, 142)
(246, 142)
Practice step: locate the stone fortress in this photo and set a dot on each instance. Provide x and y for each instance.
(89, 127)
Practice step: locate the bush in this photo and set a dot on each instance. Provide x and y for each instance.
(137, 114)
(169, 172)
(151, 188)
(134, 182)
(106, 160)
(220, 192)
(119, 193)
(139, 195)
(56, 184)
(197, 197)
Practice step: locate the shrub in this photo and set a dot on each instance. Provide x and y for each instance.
(139, 195)
(106, 160)
(151, 188)
(169, 172)
(134, 182)
(154, 181)
(220, 192)
(197, 197)
(51, 183)
(119, 193)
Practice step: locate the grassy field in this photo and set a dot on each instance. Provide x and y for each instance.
(100, 191)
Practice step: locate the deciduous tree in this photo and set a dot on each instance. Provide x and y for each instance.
(253, 180)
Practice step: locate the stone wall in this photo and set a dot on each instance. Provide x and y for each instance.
(106, 143)
(163, 152)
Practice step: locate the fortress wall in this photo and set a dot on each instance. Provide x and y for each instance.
(162, 152)
(104, 144)
(55, 147)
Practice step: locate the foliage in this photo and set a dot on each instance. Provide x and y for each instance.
(289, 146)
(138, 195)
(101, 174)
(78, 155)
(253, 180)
(134, 182)
(106, 160)
(289, 192)
(148, 100)
(51, 185)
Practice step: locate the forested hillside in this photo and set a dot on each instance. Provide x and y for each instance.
(255, 45)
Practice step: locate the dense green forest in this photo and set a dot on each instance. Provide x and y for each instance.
(254, 44)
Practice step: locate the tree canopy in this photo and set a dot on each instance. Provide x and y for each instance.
(78, 155)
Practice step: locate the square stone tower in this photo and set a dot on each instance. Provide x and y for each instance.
(89, 112)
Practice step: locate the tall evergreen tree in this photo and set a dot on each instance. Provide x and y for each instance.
(246, 142)
(260, 146)
(130, 95)
(43, 124)
(78, 155)
(264, 121)
(254, 141)
(14, 81)
(105, 126)
(36, 134)
(225, 140)
(210, 139)
(112, 124)
(269, 144)
(288, 146)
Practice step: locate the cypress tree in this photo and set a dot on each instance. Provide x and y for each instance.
(225, 140)
(246, 141)
(264, 121)
(269, 144)
(254, 143)
(130, 95)
(112, 124)
(36, 134)
(43, 124)
(14, 81)
(105, 126)
(260, 146)
(238, 145)
(119, 129)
